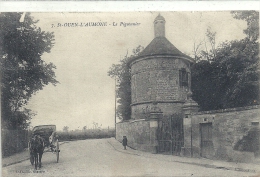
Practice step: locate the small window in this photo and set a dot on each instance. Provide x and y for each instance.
(255, 123)
(183, 77)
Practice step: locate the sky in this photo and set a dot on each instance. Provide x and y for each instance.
(84, 54)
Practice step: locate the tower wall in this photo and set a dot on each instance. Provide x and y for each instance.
(157, 79)
(141, 111)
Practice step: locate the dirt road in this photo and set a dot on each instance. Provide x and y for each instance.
(99, 158)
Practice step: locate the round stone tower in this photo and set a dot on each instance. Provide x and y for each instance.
(159, 74)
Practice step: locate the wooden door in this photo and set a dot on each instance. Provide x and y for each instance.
(207, 149)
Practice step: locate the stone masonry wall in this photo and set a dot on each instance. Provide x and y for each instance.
(231, 130)
(142, 111)
(137, 132)
(157, 79)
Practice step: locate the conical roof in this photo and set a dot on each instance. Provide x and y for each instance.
(159, 17)
(161, 46)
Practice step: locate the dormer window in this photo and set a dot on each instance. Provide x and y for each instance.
(183, 77)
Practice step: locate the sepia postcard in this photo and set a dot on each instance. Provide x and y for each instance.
(168, 89)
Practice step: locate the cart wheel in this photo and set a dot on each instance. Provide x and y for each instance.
(57, 150)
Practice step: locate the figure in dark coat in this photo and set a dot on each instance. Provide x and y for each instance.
(124, 142)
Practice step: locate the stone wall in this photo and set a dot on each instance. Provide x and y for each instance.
(235, 133)
(141, 134)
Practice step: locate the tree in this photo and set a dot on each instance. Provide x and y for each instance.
(23, 71)
(204, 86)
(84, 128)
(208, 52)
(238, 63)
(122, 73)
(231, 77)
(196, 51)
(211, 36)
(65, 129)
(252, 19)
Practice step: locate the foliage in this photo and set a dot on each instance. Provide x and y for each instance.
(249, 142)
(203, 86)
(14, 141)
(65, 129)
(231, 77)
(86, 134)
(252, 19)
(23, 71)
(121, 72)
(209, 52)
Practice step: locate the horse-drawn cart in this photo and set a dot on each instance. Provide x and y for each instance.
(44, 139)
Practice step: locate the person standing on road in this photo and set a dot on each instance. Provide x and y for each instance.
(124, 142)
(52, 139)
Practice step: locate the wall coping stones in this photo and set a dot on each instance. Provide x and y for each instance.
(132, 121)
(228, 110)
(137, 120)
(148, 102)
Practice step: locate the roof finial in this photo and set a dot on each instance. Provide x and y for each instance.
(159, 26)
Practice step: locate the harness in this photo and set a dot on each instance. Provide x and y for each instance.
(36, 144)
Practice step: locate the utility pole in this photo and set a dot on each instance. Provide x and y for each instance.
(191, 150)
(115, 106)
(191, 141)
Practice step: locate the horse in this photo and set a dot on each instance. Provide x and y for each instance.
(36, 150)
